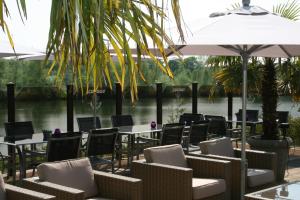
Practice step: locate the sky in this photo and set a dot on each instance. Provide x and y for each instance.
(33, 33)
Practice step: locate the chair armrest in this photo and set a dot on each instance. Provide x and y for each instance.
(13, 192)
(235, 171)
(163, 182)
(59, 191)
(260, 159)
(211, 168)
(118, 187)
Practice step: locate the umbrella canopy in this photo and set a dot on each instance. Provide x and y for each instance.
(263, 33)
(6, 50)
(248, 31)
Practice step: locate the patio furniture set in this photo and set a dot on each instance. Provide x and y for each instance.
(180, 163)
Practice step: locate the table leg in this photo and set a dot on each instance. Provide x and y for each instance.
(253, 129)
(22, 160)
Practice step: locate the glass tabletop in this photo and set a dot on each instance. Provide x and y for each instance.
(36, 138)
(136, 129)
(286, 191)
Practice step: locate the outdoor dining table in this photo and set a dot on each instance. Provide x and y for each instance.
(19, 147)
(132, 131)
(252, 124)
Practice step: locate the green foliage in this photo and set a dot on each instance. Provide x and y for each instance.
(289, 9)
(24, 74)
(175, 111)
(294, 129)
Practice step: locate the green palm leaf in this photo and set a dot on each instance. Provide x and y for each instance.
(82, 33)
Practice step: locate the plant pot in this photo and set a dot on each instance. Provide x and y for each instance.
(280, 147)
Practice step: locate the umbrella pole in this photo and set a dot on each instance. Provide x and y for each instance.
(245, 57)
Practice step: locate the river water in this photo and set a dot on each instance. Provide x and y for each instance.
(52, 114)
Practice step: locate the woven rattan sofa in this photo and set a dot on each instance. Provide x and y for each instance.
(103, 186)
(257, 160)
(11, 192)
(170, 175)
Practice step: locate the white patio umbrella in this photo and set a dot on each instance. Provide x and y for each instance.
(248, 31)
(6, 50)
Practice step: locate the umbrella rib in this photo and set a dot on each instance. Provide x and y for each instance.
(285, 51)
(177, 48)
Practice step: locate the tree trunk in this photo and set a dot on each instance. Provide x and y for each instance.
(269, 101)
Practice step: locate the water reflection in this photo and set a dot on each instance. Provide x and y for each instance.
(52, 114)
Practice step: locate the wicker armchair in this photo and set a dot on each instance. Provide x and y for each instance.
(170, 182)
(256, 160)
(108, 186)
(13, 193)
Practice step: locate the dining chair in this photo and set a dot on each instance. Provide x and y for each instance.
(102, 142)
(197, 133)
(121, 120)
(85, 124)
(218, 127)
(188, 118)
(283, 121)
(171, 134)
(16, 131)
(63, 146)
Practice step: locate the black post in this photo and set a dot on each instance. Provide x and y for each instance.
(70, 111)
(230, 100)
(118, 99)
(159, 103)
(11, 117)
(11, 102)
(194, 98)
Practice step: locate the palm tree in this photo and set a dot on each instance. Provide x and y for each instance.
(83, 35)
(228, 74)
(290, 10)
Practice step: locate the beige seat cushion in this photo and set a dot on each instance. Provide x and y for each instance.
(168, 154)
(203, 188)
(76, 174)
(257, 177)
(2, 188)
(220, 147)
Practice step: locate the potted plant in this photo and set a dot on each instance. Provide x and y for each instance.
(270, 140)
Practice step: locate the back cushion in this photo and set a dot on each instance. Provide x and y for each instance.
(168, 154)
(220, 147)
(76, 174)
(2, 188)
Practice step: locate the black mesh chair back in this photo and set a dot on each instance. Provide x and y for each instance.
(18, 130)
(188, 118)
(209, 117)
(251, 115)
(282, 116)
(63, 146)
(85, 124)
(198, 132)
(121, 120)
(172, 134)
(217, 126)
(101, 141)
